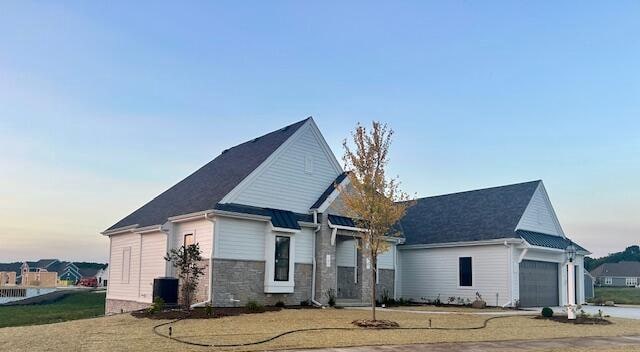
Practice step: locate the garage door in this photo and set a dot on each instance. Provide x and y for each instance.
(538, 284)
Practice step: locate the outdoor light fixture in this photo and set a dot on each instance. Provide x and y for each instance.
(571, 281)
(571, 252)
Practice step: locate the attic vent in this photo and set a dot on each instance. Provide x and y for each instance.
(254, 140)
(284, 129)
(224, 151)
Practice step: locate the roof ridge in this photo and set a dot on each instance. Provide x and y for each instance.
(282, 129)
(479, 189)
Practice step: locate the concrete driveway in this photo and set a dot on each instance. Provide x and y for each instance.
(624, 311)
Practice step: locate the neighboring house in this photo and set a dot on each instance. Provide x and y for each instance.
(39, 276)
(7, 278)
(103, 276)
(269, 220)
(622, 274)
(589, 286)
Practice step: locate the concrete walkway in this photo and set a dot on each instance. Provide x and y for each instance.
(500, 346)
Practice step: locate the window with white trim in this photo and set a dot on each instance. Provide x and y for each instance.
(608, 281)
(465, 272)
(126, 265)
(283, 247)
(632, 281)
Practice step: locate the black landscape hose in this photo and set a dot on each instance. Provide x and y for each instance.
(155, 330)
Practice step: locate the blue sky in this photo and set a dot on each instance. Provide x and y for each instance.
(104, 105)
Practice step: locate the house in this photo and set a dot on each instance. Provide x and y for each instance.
(622, 274)
(269, 220)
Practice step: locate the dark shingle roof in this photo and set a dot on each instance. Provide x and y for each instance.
(329, 190)
(621, 269)
(549, 241)
(204, 188)
(477, 215)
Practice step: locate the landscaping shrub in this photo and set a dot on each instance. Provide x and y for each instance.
(254, 306)
(331, 297)
(598, 301)
(280, 304)
(208, 309)
(157, 305)
(547, 312)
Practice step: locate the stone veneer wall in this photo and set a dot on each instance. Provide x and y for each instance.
(385, 282)
(244, 280)
(115, 306)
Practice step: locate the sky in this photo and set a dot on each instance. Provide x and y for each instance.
(104, 105)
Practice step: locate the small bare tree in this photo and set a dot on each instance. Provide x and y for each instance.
(186, 259)
(374, 201)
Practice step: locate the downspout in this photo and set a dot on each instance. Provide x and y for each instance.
(209, 295)
(313, 261)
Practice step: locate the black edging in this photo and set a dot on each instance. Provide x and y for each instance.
(155, 330)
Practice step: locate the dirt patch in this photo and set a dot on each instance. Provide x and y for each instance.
(201, 313)
(375, 324)
(578, 320)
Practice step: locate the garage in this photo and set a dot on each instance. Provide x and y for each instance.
(539, 284)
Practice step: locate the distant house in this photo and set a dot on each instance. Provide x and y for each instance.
(50, 272)
(622, 274)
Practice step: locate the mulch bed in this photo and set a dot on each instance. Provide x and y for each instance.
(375, 324)
(201, 313)
(578, 321)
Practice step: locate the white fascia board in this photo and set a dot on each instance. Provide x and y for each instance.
(282, 229)
(147, 229)
(346, 228)
(191, 216)
(118, 230)
(230, 214)
(463, 244)
(332, 197)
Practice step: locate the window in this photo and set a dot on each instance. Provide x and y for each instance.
(632, 281)
(188, 239)
(126, 264)
(465, 272)
(282, 258)
(608, 281)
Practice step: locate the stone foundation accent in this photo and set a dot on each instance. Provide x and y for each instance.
(202, 291)
(116, 306)
(243, 280)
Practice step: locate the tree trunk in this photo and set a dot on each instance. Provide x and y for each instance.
(373, 288)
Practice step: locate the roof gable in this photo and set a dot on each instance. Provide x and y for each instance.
(208, 185)
(540, 216)
(293, 176)
(484, 214)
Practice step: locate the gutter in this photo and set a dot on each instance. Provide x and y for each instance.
(313, 262)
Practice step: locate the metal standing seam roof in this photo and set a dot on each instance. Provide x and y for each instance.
(279, 218)
(341, 220)
(548, 241)
(203, 189)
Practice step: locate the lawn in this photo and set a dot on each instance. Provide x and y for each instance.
(619, 295)
(124, 332)
(75, 306)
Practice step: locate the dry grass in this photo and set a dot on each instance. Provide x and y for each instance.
(124, 332)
